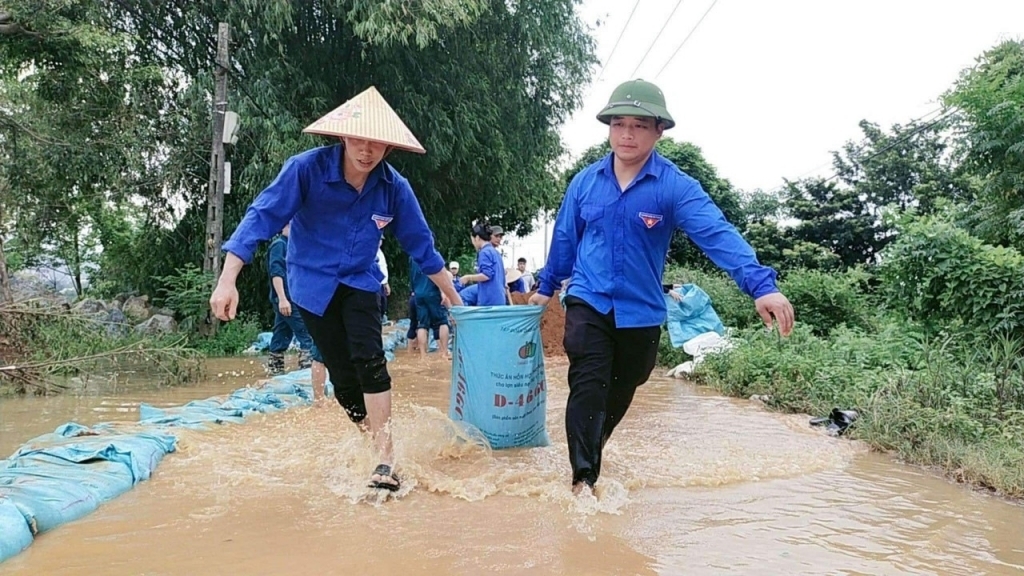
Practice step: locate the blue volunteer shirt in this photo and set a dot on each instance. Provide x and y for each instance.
(422, 286)
(335, 229)
(612, 244)
(277, 265)
(469, 295)
(489, 263)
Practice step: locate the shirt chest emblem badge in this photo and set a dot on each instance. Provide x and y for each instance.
(650, 220)
(381, 221)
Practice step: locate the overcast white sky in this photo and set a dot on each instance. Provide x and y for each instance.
(768, 88)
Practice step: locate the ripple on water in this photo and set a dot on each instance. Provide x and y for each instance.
(671, 438)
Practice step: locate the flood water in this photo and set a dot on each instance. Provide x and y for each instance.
(694, 483)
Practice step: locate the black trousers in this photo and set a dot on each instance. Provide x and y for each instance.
(348, 336)
(606, 365)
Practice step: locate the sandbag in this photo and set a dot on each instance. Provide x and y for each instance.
(61, 476)
(15, 535)
(691, 317)
(46, 502)
(498, 382)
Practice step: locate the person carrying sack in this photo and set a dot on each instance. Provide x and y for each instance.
(610, 241)
(339, 199)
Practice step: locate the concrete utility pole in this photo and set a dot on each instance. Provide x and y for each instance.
(215, 194)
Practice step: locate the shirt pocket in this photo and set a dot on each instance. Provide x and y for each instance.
(649, 220)
(593, 217)
(367, 237)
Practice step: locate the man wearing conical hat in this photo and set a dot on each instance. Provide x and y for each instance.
(340, 199)
(610, 241)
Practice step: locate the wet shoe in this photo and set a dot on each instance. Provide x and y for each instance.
(275, 364)
(838, 422)
(384, 471)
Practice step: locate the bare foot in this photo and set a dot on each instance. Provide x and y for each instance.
(582, 488)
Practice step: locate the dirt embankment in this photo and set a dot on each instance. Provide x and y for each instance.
(552, 324)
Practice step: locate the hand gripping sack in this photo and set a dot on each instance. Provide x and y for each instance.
(498, 383)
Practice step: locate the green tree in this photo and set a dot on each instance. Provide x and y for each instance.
(120, 92)
(834, 217)
(907, 168)
(487, 116)
(901, 170)
(82, 129)
(989, 103)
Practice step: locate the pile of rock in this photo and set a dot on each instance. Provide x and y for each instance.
(125, 310)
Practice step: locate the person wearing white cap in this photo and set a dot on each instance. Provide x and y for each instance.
(453, 267)
(340, 199)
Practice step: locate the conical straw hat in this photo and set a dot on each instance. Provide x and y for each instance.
(512, 274)
(367, 116)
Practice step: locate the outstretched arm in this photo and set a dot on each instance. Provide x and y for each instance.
(698, 216)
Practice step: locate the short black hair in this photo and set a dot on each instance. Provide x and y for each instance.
(523, 260)
(482, 231)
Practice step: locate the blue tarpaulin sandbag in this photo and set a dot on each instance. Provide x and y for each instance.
(691, 317)
(277, 394)
(498, 382)
(47, 502)
(137, 453)
(15, 535)
(59, 477)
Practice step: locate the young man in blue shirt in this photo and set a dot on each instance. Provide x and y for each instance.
(339, 200)
(490, 273)
(287, 322)
(610, 242)
(430, 314)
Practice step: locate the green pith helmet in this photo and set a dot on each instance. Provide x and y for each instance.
(637, 98)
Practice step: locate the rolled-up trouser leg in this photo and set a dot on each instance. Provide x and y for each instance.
(361, 314)
(331, 339)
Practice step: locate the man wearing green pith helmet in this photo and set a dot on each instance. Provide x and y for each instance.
(610, 242)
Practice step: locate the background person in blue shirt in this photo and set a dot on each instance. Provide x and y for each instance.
(518, 284)
(430, 314)
(339, 200)
(610, 241)
(490, 273)
(287, 323)
(527, 279)
(469, 295)
(412, 342)
(453, 267)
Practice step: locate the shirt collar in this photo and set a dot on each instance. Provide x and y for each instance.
(650, 168)
(335, 172)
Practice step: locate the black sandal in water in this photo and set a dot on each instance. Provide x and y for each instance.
(385, 471)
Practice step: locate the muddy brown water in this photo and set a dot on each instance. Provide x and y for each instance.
(694, 484)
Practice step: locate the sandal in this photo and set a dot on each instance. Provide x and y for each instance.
(385, 470)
